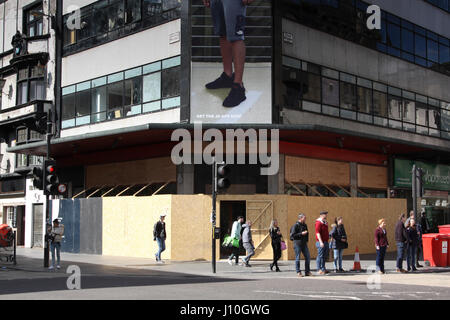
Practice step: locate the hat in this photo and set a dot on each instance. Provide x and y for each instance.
(56, 220)
(162, 215)
(323, 212)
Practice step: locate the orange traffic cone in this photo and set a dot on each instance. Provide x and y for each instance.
(356, 263)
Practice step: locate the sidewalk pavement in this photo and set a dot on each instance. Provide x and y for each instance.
(30, 265)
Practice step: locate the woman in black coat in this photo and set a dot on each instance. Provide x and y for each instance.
(339, 243)
(276, 236)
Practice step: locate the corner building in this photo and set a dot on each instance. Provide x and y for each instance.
(355, 108)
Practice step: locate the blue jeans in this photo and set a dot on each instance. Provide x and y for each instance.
(380, 258)
(400, 254)
(338, 253)
(298, 250)
(56, 246)
(162, 246)
(411, 256)
(321, 255)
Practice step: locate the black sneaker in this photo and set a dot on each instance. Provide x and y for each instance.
(235, 97)
(224, 81)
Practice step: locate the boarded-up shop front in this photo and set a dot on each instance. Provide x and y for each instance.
(123, 226)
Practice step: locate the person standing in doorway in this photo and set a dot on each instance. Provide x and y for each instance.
(339, 243)
(322, 237)
(276, 236)
(299, 235)
(381, 245)
(401, 241)
(247, 242)
(236, 234)
(228, 18)
(55, 245)
(159, 235)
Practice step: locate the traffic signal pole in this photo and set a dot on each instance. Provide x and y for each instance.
(47, 206)
(213, 214)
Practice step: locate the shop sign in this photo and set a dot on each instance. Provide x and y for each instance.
(436, 176)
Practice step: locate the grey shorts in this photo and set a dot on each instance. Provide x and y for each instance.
(229, 19)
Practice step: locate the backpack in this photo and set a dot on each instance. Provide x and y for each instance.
(293, 231)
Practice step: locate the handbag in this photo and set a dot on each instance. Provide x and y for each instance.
(235, 242)
(283, 245)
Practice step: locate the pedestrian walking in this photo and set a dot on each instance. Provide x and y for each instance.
(322, 237)
(401, 241)
(236, 235)
(248, 243)
(299, 235)
(381, 244)
(159, 235)
(412, 235)
(339, 243)
(56, 235)
(276, 236)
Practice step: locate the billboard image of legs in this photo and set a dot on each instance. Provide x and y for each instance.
(231, 74)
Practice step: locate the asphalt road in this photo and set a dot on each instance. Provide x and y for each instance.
(106, 282)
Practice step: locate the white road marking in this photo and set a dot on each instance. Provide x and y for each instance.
(311, 295)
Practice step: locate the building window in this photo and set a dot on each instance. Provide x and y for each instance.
(21, 160)
(311, 87)
(364, 100)
(107, 20)
(359, 99)
(348, 96)
(25, 135)
(149, 88)
(33, 25)
(330, 92)
(397, 37)
(31, 84)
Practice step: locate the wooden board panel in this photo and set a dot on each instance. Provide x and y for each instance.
(132, 172)
(316, 171)
(372, 177)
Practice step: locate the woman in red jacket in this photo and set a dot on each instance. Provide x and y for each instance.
(381, 244)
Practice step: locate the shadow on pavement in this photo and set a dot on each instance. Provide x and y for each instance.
(95, 277)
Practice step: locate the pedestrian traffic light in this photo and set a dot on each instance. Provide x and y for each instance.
(38, 178)
(223, 171)
(51, 180)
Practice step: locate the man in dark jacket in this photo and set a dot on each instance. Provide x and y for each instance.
(401, 240)
(159, 235)
(299, 234)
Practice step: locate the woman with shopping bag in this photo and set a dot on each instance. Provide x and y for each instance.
(277, 244)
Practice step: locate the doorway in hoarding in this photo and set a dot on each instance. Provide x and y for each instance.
(229, 212)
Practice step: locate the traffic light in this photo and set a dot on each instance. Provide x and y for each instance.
(37, 178)
(51, 180)
(223, 171)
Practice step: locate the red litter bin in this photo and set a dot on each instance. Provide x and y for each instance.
(445, 229)
(435, 249)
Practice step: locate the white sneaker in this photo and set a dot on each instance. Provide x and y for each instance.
(51, 268)
(230, 262)
(58, 267)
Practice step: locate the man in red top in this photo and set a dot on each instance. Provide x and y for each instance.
(322, 236)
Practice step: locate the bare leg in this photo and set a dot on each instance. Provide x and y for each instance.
(227, 56)
(238, 49)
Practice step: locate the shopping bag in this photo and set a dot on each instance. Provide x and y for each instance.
(236, 242)
(227, 242)
(283, 245)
